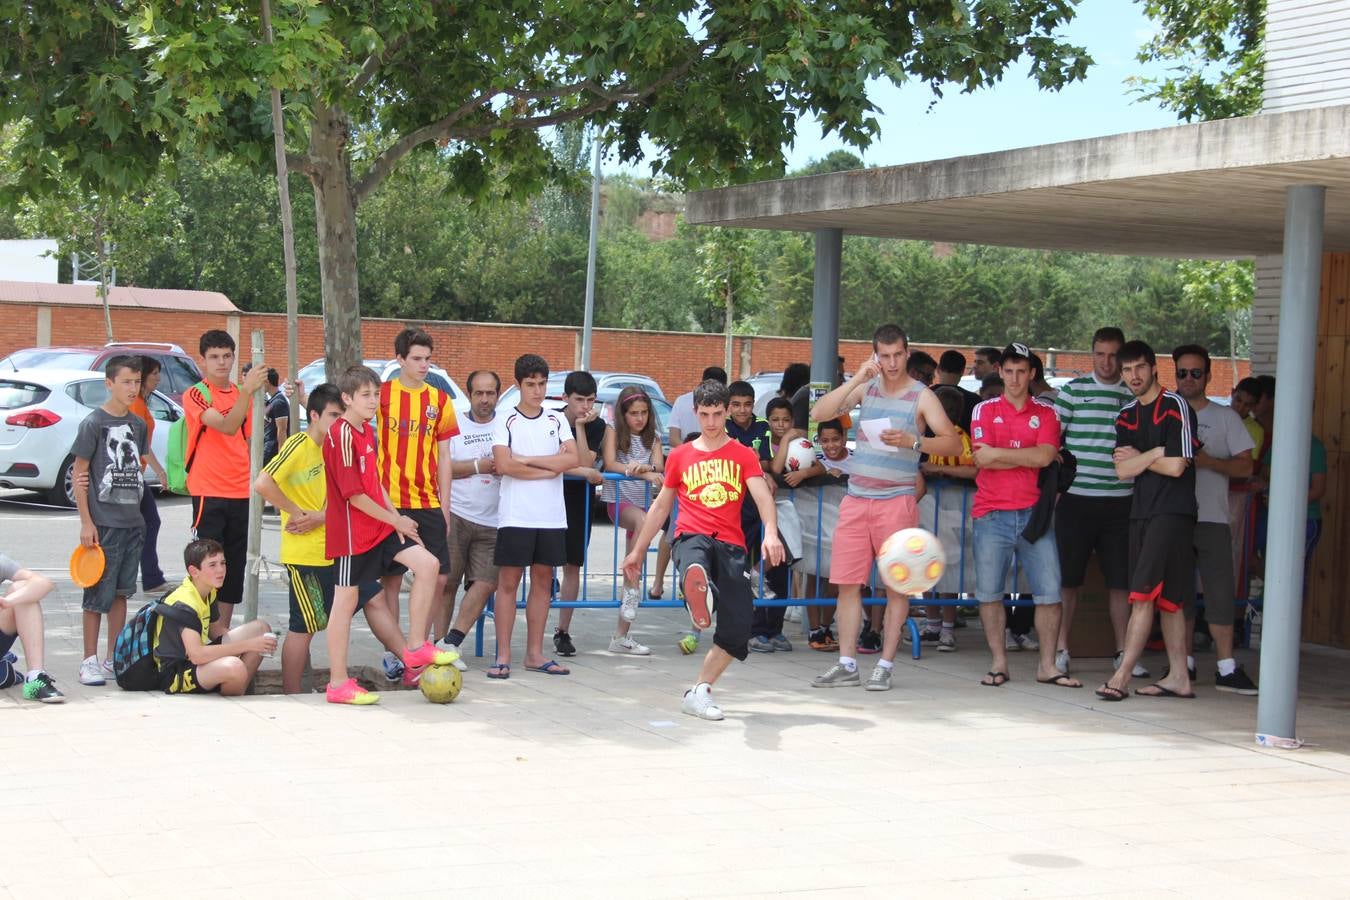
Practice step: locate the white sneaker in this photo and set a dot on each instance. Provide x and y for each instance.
(459, 662)
(1027, 642)
(698, 702)
(1139, 670)
(946, 641)
(1062, 660)
(628, 604)
(91, 672)
(793, 614)
(623, 643)
(108, 668)
(1010, 640)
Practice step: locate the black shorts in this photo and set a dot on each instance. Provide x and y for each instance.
(374, 564)
(1162, 561)
(312, 596)
(579, 520)
(431, 532)
(521, 548)
(181, 678)
(730, 582)
(225, 520)
(1087, 524)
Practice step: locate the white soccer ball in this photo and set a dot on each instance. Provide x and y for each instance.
(801, 455)
(911, 561)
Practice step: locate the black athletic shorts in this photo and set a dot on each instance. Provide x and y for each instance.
(729, 582)
(1162, 561)
(524, 547)
(431, 532)
(1087, 524)
(577, 496)
(374, 564)
(225, 520)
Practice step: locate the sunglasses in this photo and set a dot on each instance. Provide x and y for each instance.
(1197, 374)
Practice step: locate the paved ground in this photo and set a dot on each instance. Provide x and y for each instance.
(594, 785)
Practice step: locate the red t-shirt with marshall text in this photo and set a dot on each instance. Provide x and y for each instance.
(711, 488)
(351, 467)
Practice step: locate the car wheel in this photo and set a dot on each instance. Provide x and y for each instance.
(63, 492)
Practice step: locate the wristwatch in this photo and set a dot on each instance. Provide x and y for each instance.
(917, 441)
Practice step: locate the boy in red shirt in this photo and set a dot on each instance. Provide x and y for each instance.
(367, 540)
(711, 476)
(1013, 437)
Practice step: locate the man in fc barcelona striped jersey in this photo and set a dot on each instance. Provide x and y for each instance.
(415, 426)
(368, 540)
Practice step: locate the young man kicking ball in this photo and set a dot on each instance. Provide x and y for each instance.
(368, 540)
(710, 476)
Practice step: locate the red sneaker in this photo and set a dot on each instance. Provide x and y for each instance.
(696, 596)
(427, 655)
(351, 693)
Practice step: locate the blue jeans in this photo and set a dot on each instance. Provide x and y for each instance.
(998, 536)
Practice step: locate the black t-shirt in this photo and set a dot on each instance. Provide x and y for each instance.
(278, 407)
(576, 491)
(801, 407)
(1170, 423)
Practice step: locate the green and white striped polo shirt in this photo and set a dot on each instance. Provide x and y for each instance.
(1087, 413)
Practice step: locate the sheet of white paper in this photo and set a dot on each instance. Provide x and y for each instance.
(873, 428)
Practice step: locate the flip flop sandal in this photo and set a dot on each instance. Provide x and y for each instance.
(503, 671)
(1163, 692)
(1110, 694)
(996, 682)
(1060, 680)
(550, 668)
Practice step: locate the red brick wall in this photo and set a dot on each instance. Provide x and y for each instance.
(675, 360)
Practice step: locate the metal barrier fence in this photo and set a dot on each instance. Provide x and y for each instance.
(821, 503)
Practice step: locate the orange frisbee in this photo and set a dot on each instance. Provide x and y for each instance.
(86, 565)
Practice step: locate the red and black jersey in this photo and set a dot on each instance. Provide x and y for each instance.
(1170, 423)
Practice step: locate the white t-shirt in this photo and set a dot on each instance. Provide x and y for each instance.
(682, 415)
(530, 503)
(1222, 436)
(475, 497)
(841, 464)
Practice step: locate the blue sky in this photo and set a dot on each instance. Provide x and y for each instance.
(1014, 113)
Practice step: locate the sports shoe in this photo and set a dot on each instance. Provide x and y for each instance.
(688, 644)
(925, 637)
(1062, 660)
(628, 604)
(1237, 683)
(1010, 640)
(562, 643)
(698, 702)
(781, 643)
(837, 676)
(869, 642)
(1190, 672)
(43, 690)
(1027, 642)
(107, 668)
(459, 662)
(1139, 670)
(623, 643)
(793, 614)
(392, 666)
(351, 693)
(9, 675)
(429, 655)
(879, 680)
(91, 672)
(946, 641)
(760, 644)
(157, 589)
(695, 590)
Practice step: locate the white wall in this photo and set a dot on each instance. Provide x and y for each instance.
(28, 261)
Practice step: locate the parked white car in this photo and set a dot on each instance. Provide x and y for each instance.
(42, 410)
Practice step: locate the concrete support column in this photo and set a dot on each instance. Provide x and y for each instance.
(1300, 286)
(825, 310)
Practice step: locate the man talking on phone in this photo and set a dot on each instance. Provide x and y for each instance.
(896, 412)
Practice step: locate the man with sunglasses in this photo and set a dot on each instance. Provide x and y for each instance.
(1225, 452)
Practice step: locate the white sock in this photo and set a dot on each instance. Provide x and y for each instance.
(885, 664)
(1190, 662)
(849, 663)
(1227, 666)
(33, 674)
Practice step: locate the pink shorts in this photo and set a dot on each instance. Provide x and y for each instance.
(863, 526)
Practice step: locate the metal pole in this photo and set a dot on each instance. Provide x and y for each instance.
(825, 311)
(255, 501)
(590, 260)
(1300, 286)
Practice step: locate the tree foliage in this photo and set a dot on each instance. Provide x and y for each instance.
(1214, 53)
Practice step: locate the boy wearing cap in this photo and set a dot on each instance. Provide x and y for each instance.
(1013, 437)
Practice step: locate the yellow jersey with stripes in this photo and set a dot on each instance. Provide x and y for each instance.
(298, 471)
(412, 424)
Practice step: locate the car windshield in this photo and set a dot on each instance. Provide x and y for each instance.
(40, 357)
(17, 394)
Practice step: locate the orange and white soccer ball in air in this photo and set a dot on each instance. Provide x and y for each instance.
(801, 454)
(911, 561)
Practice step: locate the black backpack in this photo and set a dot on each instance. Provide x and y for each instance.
(134, 653)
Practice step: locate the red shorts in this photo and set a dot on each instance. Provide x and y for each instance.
(863, 526)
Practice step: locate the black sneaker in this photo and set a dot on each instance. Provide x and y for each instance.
(1237, 683)
(870, 642)
(562, 643)
(1167, 670)
(43, 690)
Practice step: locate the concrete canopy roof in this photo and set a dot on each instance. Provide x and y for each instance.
(1215, 189)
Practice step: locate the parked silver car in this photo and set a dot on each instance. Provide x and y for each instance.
(42, 410)
(606, 383)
